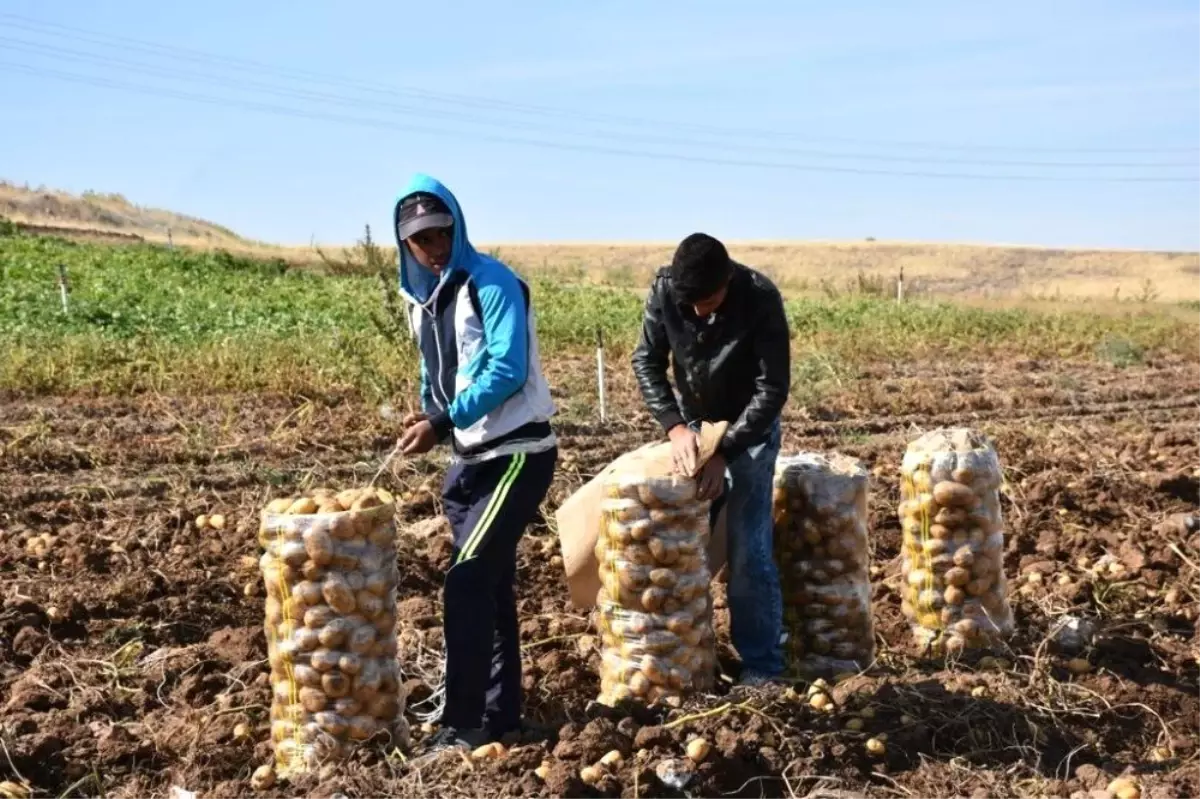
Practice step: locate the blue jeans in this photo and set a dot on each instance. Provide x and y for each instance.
(755, 601)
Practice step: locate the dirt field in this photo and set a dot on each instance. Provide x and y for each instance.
(131, 645)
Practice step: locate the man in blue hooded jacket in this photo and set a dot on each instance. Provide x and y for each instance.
(483, 392)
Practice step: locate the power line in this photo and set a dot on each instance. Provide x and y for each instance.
(569, 146)
(241, 83)
(201, 57)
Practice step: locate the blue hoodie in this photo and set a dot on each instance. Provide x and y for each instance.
(481, 377)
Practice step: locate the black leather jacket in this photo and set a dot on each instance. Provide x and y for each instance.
(734, 366)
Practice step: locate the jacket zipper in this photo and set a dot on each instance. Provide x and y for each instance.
(437, 345)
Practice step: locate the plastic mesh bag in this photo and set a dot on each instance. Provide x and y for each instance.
(329, 568)
(822, 551)
(654, 608)
(954, 592)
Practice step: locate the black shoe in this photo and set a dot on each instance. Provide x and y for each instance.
(453, 738)
(525, 732)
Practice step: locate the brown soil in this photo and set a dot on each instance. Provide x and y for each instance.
(131, 644)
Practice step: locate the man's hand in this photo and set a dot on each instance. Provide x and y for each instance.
(412, 418)
(419, 437)
(711, 482)
(685, 450)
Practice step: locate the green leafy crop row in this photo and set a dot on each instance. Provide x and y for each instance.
(146, 316)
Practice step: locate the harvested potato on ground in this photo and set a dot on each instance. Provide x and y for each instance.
(954, 595)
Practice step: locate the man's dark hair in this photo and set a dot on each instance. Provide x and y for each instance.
(700, 268)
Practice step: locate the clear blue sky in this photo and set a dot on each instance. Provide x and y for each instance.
(774, 88)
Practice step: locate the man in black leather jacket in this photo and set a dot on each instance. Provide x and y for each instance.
(723, 328)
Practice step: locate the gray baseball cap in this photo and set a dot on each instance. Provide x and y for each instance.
(421, 212)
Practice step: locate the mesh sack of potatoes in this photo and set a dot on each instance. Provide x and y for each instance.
(821, 549)
(329, 569)
(954, 592)
(654, 610)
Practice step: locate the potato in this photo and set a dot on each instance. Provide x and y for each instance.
(331, 723)
(293, 554)
(616, 532)
(919, 577)
(930, 599)
(958, 577)
(664, 578)
(368, 603)
(653, 599)
(335, 684)
(347, 497)
(952, 494)
(335, 633)
(306, 676)
(659, 641)
(282, 691)
(312, 699)
(955, 595)
(368, 498)
(680, 622)
(639, 684)
(951, 517)
(378, 582)
(281, 730)
(639, 555)
(932, 547)
(345, 559)
(325, 660)
(626, 512)
(329, 505)
(303, 507)
(383, 536)
(319, 545)
(280, 506)
(622, 487)
(338, 594)
(673, 491)
(307, 593)
(355, 580)
(318, 616)
(665, 552)
(967, 628)
(306, 639)
(634, 578)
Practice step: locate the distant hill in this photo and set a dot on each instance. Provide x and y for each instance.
(109, 216)
(957, 270)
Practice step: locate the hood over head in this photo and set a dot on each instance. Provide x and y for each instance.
(416, 282)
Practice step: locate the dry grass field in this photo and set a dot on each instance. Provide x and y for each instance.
(816, 268)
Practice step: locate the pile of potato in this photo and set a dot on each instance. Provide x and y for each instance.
(330, 575)
(821, 549)
(954, 591)
(654, 610)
